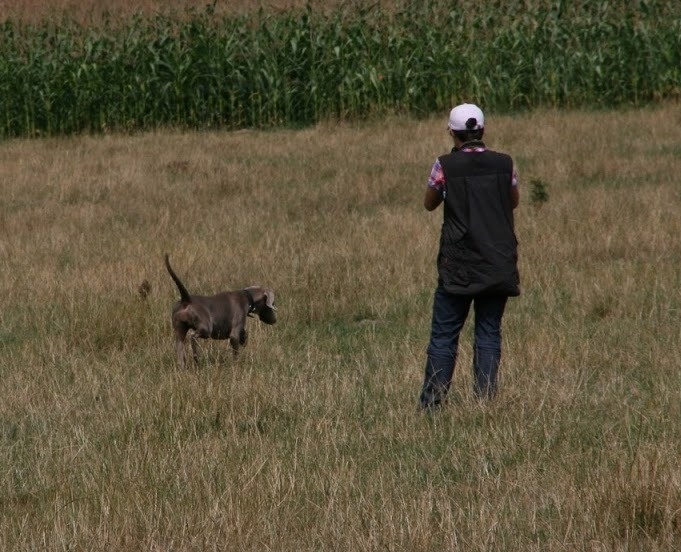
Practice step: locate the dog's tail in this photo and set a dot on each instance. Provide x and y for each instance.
(184, 294)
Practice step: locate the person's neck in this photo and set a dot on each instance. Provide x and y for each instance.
(471, 144)
(459, 145)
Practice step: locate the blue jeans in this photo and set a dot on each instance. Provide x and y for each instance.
(449, 314)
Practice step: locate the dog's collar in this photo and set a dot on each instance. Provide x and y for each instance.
(251, 301)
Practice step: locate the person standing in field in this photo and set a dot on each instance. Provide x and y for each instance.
(477, 261)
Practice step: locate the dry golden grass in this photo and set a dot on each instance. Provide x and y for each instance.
(312, 440)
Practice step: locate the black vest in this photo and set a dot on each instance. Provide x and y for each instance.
(478, 247)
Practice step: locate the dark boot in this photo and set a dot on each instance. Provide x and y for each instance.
(486, 367)
(439, 372)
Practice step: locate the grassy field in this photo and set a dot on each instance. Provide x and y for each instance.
(311, 440)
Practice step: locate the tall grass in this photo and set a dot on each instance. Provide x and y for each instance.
(302, 66)
(312, 441)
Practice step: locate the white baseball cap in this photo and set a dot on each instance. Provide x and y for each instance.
(462, 114)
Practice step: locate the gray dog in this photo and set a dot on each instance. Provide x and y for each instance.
(219, 316)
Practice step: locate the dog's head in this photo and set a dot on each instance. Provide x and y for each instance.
(263, 299)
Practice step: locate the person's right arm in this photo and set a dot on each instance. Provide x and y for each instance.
(433, 199)
(515, 192)
(435, 192)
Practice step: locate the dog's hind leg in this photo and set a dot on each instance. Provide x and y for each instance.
(195, 348)
(180, 339)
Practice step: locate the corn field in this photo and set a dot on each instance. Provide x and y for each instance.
(301, 66)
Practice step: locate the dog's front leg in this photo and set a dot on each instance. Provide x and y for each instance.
(234, 341)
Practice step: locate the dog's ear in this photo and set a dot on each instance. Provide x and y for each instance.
(261, 294)
(264, 298)
(269, 298)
